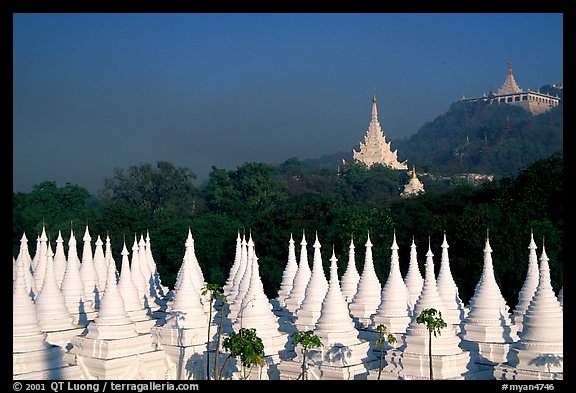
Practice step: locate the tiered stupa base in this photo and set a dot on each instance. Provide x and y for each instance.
(63, 338)
(532, 361)
(330, 362)
(123, 358)
(416, 366)
(186, 362)
(394, 325)
(487, 354)
(37, 361)
(509, 373)
(147, 365)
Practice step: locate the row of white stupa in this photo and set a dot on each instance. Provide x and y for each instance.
(82, 319)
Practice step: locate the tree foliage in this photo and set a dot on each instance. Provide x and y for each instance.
(308, 340)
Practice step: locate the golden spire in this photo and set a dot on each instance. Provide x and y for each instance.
(413, 172)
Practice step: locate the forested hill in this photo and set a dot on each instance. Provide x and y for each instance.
(477, 137)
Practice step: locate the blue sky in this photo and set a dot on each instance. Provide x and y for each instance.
(93, 92)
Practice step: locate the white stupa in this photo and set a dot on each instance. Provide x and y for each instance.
(301, 279)
(24, 256)
(488, 328)
(234, 267)
(183, 335)
(161, 289)
(367, 297)
(51, 310)
(411, 359)
(242, 263)
(111, 347)
(349, 283)
(59, 260)
(88, 271)
(40, 260)
(100, 264)
(449, 291)
(73, 289)
(394, 310)
(139, 280)
(539, 352)
(133, 305)
(108, 257)
(288, 274)
(343, 355)
(32, 356)
(155, 300)
(256, 312)
(244, 282)
(309, 310)
(413, 279)
(529, 287)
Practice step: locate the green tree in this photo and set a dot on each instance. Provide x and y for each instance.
(52, 207)
(434, 324)
(308, 340)
(156, 190)
(248, 346)
(379, 343)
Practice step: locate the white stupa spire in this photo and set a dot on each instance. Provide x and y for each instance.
(59, 260)
(137, 276)
(309, 310)
(73, 286)
(367, 297)
(88, 271)
(24, 256)
(288, 274)
(335, 325)
(488, 321)
(235, 265)
(256, 312)
(241, 269)
(112, 321)
(133, 304)
(394, 310)
(100, 264)
(413, 279)
(187, 311)
(196, 271)
(351, 276)
(51, 309)
(40, 263)
(145, 269)
(244, 283)
(301, 279)
(529, 287)
(448, 290)
(160, 288)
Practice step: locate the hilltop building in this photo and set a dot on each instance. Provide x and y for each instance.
(414, 186)
(375, 149)
(510, 93)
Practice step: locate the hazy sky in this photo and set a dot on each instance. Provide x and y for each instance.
(93, 92)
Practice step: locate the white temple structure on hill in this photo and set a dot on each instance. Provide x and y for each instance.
(141, 330)
(375, 149)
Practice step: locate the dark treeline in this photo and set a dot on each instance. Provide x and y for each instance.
(274, 201)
